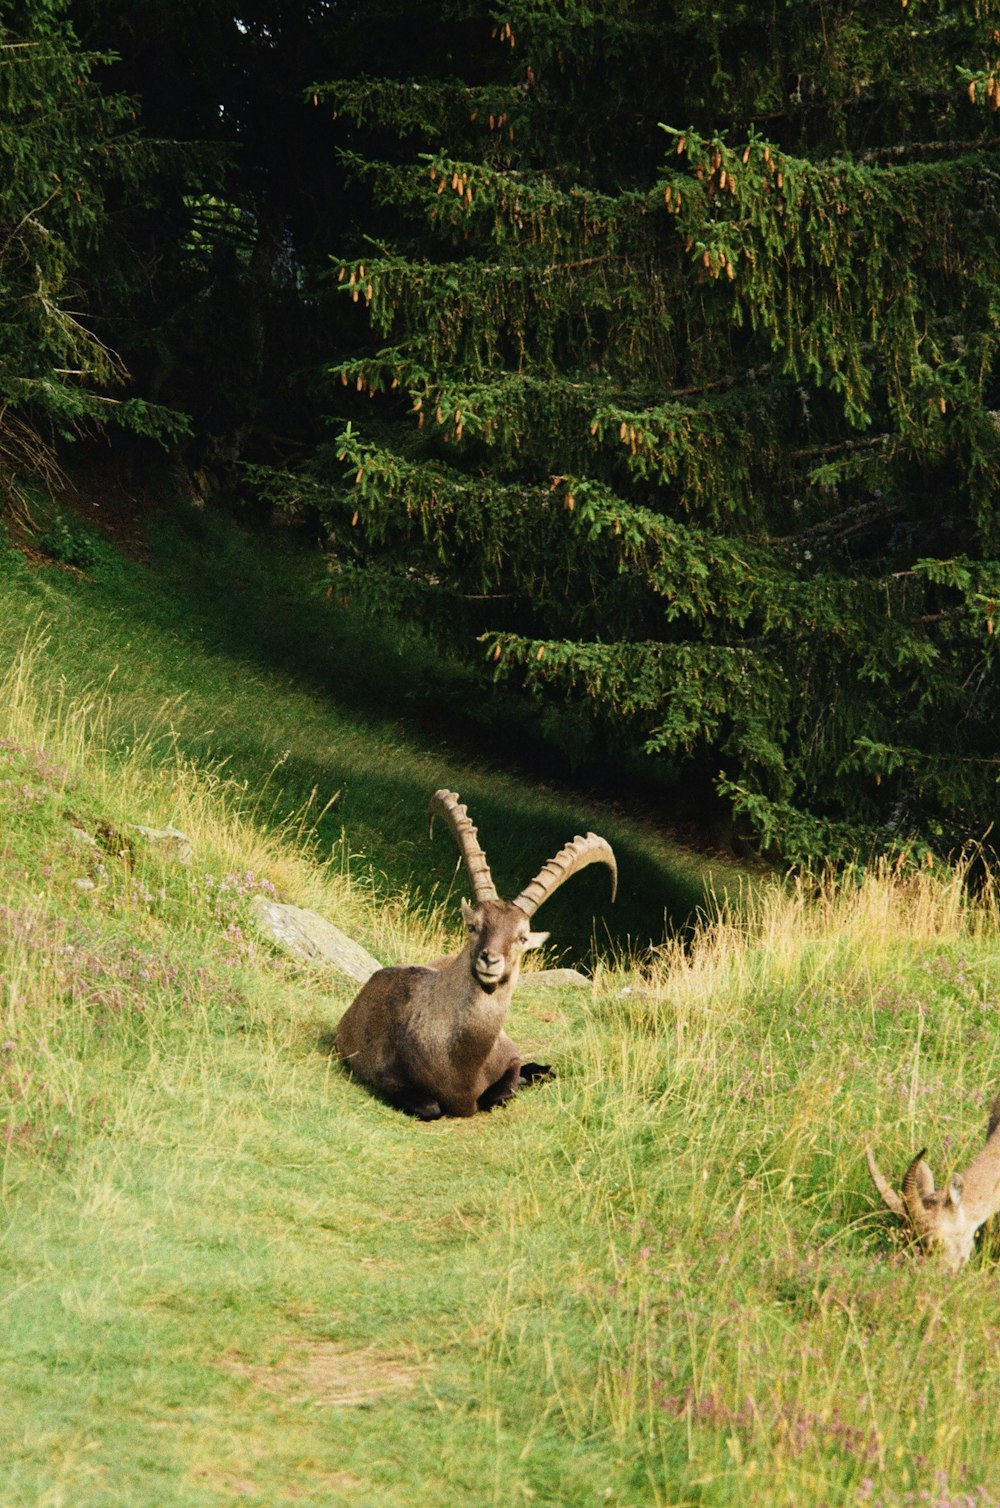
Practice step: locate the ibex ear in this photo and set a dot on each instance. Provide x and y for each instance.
(955, 1190)
(535, 939)
(468, 914)
(925, 1180)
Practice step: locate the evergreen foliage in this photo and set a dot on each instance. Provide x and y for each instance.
(209, 311)
(62, 143)
(660, 349)
(682, 335)
(215, 305)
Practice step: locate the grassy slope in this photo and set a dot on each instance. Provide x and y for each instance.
(226, 1272)
(252, 664)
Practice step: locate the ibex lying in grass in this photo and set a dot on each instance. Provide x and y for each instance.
(431, 1040)
(945, 1221)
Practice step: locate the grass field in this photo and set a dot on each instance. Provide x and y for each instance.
(228, 1274)
(227, 649)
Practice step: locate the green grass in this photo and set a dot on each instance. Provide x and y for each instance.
(228, 1274)
(226, 648)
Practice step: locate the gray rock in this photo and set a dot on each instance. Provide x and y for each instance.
(82, 836)
(310, 938)
(171, 842)
(557, 979)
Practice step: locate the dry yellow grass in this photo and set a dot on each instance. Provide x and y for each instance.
(661, 1279)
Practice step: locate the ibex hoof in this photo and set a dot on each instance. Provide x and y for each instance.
(535, 1073)
(424, 1110)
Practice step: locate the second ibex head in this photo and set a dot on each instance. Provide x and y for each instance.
(945, 1221)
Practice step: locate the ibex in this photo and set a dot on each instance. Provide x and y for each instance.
(431, 1040)
(945, 1221)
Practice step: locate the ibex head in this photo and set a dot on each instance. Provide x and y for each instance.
(937, 1217)
(945, 1221)
(498, 936)
(498, 930)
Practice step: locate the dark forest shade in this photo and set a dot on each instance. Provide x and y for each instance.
(659, 345)
(684, 359)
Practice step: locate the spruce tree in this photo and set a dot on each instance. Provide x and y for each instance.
(678, 403)
(62, 142)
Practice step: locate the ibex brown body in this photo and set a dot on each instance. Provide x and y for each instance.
(431, 1040)
(945, 1221)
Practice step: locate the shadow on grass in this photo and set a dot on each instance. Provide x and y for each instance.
(407, 691)
(295, 694)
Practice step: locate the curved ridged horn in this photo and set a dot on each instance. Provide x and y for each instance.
(575, 856)
(889, 1195)
(446, 804)
(917, 1184)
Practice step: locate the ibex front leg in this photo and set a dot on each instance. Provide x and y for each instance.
(502, 1073)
